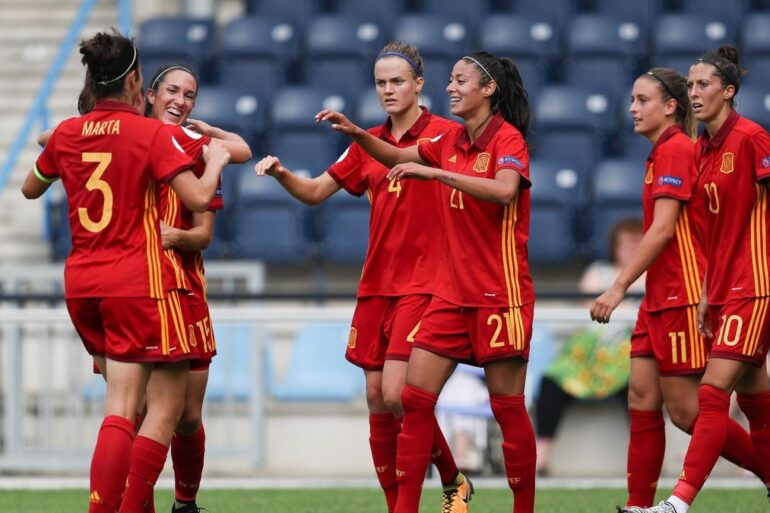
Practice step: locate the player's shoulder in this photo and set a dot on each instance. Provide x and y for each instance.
(748, 128)
(678, 144)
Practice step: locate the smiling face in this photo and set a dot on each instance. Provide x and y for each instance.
(396, 85)
(651, 115)
(174, 97)
(708, 97)
(466, 94)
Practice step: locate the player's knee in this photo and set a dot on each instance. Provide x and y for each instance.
(188, 423)
(683, 417)
(644, 398)
(374, 399)
(392, 398)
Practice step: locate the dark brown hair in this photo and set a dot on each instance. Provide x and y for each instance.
(673, 85)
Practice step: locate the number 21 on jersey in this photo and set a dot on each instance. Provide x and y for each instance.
(95, 183)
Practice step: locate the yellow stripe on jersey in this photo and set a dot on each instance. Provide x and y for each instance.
(164, 342)
(688, 259)
(150, 220)
(758, 315)
(763, 242)
(694, 258)
(519, 329)
(759, 242)
(697, 349)
(510, 264)
(175, 307)
(505, 227)
(201, 273)
(170, 218)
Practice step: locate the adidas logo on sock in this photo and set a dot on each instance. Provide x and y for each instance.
(94, 498)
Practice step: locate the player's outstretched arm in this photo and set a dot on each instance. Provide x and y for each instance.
(34, 186)
(310, 191)
(235, 144)
(382, 151)
(197, 193)
(501, 189)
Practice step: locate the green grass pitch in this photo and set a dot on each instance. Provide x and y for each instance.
(371, 501)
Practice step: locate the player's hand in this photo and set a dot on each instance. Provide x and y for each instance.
(167, 235)
(605, 304)
(196, 125)
(703, 321)
(216, 152)
(270, 166)
(411, 170)
(339, 121)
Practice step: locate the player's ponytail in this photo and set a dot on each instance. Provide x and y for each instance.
(510, 98)
(108, 58)
(673, 85)
(726, 66)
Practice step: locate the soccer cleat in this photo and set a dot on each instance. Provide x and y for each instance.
(663, 507)
(188, 507)
(457, 495)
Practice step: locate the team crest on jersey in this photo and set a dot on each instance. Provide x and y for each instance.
(482, 163)
(352, 338)
(453, 159)
(728, 163)
(648, 176)
(765, 162)
(191, 336)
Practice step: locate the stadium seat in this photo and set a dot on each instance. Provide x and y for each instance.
(680, 35)
(232, 109)
(642, 11)
(340, 53)
(758, 70)
(436, 36)
(178, 39)
(679, 63)
(57, 224)
(617, 194)
(344, 229)
(268, 224)
(231, 377)
(730, 12)
(257, 54)
(300, 12)
(755, 35)
(558, 197)
(753, 102)
(382, 11)
(558, 12)
(317, 369)
(472, 13)
(634, 147)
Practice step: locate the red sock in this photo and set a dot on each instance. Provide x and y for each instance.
(757, 410)
(110, 464)
(646, 445)
(414, 445)
(147, 462)
(441, 456)
(383, 436)
(518, 449)
(708, 438)
(187, 455)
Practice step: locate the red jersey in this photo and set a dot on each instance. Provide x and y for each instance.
(110, 161)
(188, 265)
(485, 263)
(733, 166)
(404, 233)
(674, 278)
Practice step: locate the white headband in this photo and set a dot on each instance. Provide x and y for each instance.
(170, 68)
(133, 60)
(480, 66)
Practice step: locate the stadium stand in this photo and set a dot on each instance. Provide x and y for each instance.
(181, 39)
(344, 227)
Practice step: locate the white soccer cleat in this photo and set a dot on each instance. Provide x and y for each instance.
(663, 507)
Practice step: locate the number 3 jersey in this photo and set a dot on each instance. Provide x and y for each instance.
(405, 232)
(109, 161)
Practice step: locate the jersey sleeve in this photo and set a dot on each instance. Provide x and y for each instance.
(218, 202)
(761, 151)
(167, 156)
(348, 170)
(512, 153)
(192, 142)
(430, 150)
(672, 173)
(45, 166)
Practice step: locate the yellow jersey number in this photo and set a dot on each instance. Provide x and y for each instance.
(395, 186)
(713, 195)
(456, 200)
(499, 322)
(96, 183)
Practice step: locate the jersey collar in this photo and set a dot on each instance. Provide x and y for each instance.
(414, 131)
(486, 136)
(115, 105)
(716, 141)
(665, 136)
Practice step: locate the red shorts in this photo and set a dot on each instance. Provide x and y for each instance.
(672, 338)
(200, 332)
(475, 335)
(383, 328)
(741, 329)
(133, 329)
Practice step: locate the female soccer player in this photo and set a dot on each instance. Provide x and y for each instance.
(115, 284)
(397, 278)
(733, 156)
(170, 99)
(668, 355)
(483, 299)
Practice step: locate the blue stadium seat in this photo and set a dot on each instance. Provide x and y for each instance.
(755, 35)
(57, 224)
(257, 53)
(232, 109)
(317, 368)
(231, 377)
(436, 36)
(345, 229)
(437, 71)
(753, 102)
(759, 70)
(178, 39)
(679, 63)
(731, 12)
(680, 35)
(340, 53)
(382, 11)
(558, 197)
(293, 126)
(300, 12)
(634, 147)
(617, 194)
(369, 111)
(558, 12)
(268, 224)
(472, 13)
(644, 11)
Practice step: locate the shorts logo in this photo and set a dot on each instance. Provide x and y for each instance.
(648, 176)
(728, 163)
(510, 159)
(191, 336)
(670, 180)
(765, 162)
(352, 338)
(482, 163)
